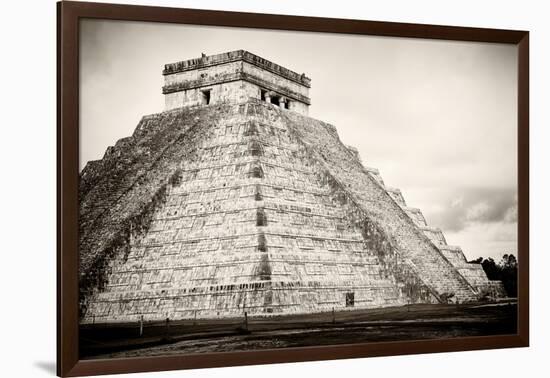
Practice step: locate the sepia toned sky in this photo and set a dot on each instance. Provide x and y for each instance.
(437, 118)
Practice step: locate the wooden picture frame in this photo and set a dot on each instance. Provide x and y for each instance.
(69, 14)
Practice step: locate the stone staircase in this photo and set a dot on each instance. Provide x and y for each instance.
(370, 195)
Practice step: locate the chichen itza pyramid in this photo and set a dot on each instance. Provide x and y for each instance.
(234, 200)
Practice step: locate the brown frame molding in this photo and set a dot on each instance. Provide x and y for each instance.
(68, 15)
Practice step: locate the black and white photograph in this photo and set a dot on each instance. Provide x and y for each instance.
(249, 189)
(209, 188)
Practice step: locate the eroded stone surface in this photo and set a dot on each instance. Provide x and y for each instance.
(234, 77)
(243, 205)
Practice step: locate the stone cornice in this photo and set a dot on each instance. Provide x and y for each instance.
(192, 84)
(234, 56)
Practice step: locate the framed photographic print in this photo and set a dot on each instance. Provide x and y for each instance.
(238, 188)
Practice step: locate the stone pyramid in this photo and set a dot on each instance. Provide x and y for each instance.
(239, 204)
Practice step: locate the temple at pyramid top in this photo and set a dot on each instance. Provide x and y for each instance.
(251, 206)
(234, 76)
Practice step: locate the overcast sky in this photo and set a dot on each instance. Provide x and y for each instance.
(437, 118)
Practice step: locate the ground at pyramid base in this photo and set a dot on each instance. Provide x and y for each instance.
(217, 209)
(411, 322)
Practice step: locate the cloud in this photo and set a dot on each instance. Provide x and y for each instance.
(478, 211)
(485, 239)
(433, 116)
(476, 206)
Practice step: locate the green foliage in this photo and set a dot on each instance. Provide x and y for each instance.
(506, 270)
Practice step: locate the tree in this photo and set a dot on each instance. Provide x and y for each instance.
(509, 274)
(506, 271)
